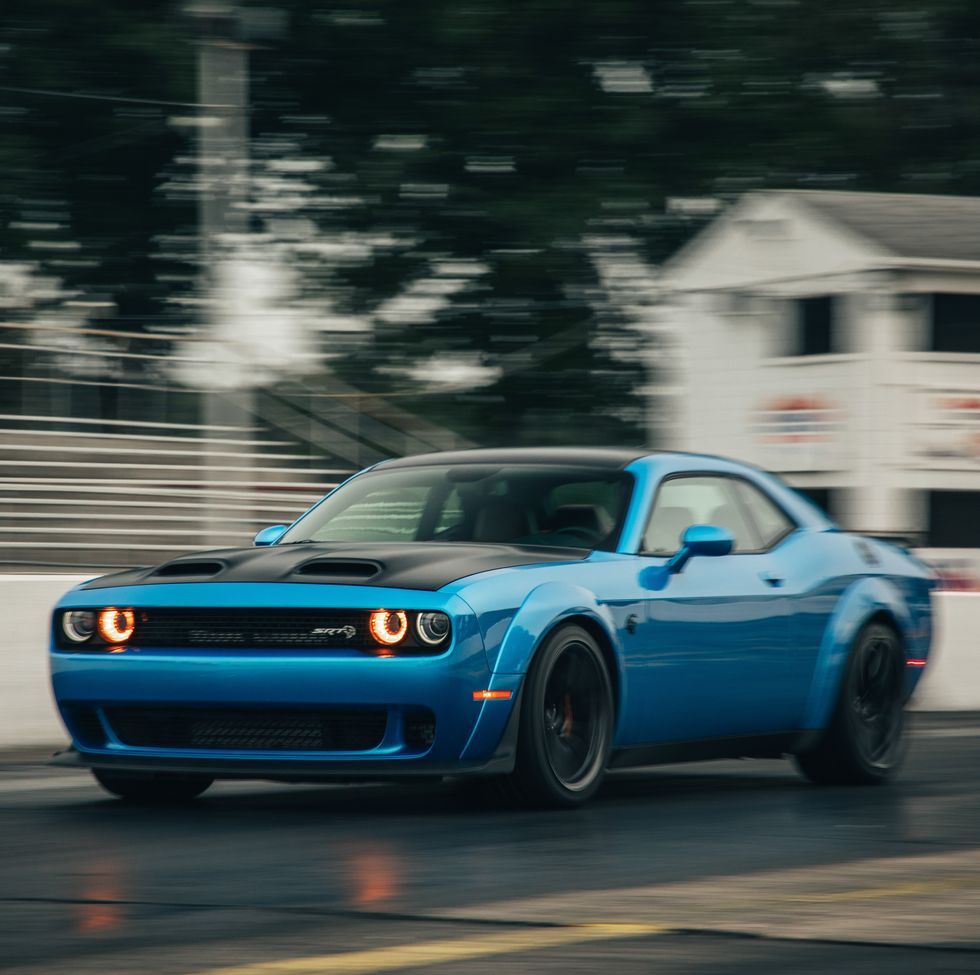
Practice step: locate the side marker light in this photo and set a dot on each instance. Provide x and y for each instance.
(492, 695)
(915, 663)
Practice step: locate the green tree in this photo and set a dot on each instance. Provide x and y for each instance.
(487, 186)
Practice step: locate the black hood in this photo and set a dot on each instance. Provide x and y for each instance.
(398, 565)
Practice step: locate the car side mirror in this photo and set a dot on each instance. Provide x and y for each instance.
(270, 535)
(702, 540)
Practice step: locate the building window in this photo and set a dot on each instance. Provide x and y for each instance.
(822, 497)
(816, 319)
(955, 323)
(954, 519)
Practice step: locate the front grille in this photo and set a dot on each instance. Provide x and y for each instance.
(280, 628)
(245, 730)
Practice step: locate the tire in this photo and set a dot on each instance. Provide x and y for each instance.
(159, 787)
(566, 723)
(864, 743)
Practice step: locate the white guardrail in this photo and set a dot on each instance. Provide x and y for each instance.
(27, 715)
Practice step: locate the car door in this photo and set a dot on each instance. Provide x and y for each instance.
(716, 658)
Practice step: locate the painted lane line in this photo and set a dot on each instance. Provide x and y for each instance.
(921, 899)
(927, 886)
(427, 953)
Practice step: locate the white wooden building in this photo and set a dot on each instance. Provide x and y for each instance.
(834, 337)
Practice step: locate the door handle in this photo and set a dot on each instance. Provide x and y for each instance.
(771, 579)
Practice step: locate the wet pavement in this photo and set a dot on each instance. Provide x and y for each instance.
(720, 867)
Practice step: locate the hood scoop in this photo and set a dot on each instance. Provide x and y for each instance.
(196, 568)
(339, 570)
(423, 566)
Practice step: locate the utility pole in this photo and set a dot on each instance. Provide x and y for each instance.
(223, 191)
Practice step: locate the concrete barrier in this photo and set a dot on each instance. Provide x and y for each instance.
(27, 715)
(27, 712)
(951, 681)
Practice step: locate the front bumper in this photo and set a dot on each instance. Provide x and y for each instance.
(324, 769)
(469, 735)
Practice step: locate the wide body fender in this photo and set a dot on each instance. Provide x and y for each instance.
(864, 599)
(544, 608)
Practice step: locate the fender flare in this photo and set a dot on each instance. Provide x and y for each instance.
(546, 607)
(861, 601)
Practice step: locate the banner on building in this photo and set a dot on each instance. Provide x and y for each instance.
(948, 429)
(799, 432)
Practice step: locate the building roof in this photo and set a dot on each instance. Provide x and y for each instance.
(911, 225)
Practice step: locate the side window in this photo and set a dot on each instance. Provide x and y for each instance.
(769, 519)
(697, 500)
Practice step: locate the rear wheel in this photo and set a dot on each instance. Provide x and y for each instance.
(566, 722)
(864, 742)
(152, 786)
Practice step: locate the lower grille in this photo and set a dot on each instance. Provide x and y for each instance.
(85, 726)
(243, 730)
(420, 730)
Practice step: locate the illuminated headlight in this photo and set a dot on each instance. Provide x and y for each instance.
(388, 626)
(116, 625)
(78, 625)
(432, 628)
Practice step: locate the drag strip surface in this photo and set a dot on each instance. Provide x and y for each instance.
(721, 867)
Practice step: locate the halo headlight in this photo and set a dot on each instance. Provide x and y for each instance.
(78, 625)
(116, 625)
(388, 626)
(432, 628)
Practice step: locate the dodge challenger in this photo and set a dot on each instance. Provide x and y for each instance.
(534, 617)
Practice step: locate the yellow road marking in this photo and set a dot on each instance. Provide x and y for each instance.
(937, 886)
(426, 953)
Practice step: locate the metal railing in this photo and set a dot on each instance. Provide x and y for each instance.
(88, 498)
(114, 466)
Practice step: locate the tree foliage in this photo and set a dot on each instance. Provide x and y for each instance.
(487, 183)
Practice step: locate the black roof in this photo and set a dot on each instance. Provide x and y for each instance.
(614, 458)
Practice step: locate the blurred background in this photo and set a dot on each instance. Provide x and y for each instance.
(246, 249)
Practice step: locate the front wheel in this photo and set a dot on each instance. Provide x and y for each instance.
(864, 742)
(566, 722)
(152, 786)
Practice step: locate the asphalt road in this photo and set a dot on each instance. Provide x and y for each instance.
(723, 867)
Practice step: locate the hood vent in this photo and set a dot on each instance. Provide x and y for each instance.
(198, 569)
(341, 570)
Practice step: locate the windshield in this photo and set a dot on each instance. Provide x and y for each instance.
(522, 505)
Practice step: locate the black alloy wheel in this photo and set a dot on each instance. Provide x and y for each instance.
(864, 742)
(876, 698)
(566, 721)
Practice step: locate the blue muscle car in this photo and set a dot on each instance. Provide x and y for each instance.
(535, 616)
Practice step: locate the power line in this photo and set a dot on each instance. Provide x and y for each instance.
(113, 98)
